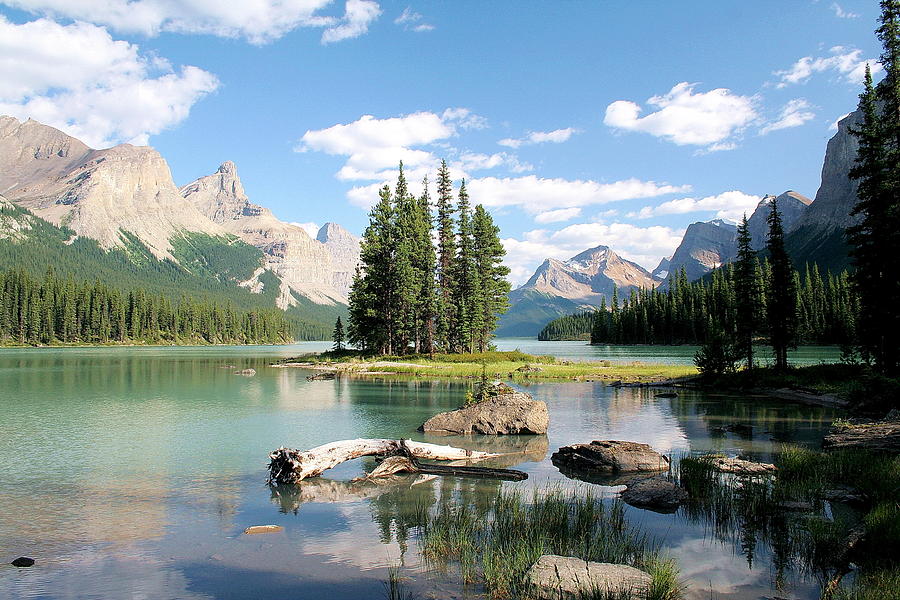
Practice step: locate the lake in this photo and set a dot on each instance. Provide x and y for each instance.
(132, 472)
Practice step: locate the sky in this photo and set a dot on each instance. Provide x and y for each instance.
(575, 123)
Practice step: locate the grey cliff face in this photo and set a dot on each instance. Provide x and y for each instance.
(344, 249)
(705, 246)
(792, 207)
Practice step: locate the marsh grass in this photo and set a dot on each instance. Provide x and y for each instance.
(751, 510)
(499, 546)
(876, 585)
(395, 587)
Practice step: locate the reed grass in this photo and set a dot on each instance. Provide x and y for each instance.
(501, 546)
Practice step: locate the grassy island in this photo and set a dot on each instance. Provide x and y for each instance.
(513, 365)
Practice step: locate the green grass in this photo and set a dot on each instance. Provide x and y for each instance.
(496, 365)
(877, 585)
(498, 545)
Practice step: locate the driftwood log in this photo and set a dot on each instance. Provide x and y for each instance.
(287, 465)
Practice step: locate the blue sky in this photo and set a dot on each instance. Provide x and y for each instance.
(575, 123)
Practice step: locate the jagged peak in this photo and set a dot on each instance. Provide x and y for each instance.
(333, 231)
(228, 167)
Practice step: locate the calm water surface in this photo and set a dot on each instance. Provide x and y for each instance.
(131, 472)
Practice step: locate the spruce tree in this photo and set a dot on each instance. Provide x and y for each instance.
(338, 335)
(492, 286)
(425, 270)
(404, 273)
(746, 294)
(782, 307)
(463, 277)
(446, 257)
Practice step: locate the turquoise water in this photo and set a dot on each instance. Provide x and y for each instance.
(132, 472)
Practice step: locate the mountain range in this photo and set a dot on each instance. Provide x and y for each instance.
(122, 202)
(814, 233)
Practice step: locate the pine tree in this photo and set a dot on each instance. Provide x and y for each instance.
(492, 286)
(782, 307)
(425, 270)
(464, 276)
(446, 257)
(338, 335)
(746, 294)
(373, 310)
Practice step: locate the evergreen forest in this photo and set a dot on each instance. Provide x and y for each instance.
(51, 310)
(429, 281)
(691, 312)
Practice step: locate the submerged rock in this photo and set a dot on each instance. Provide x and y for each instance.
(656, 494)
(23, 561)
(609, 456)
(506, 411)
(246, 372)
(565, 577)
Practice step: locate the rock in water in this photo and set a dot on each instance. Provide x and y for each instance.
(263, 529)
(23, 561)
(739, 466)
(883, 436)
(609, 456)
(505, 412)
(655, 494)
(566, 577)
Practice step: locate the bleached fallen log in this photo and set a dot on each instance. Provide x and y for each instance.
(287, 465)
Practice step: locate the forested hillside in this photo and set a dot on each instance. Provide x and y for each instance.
(209, 274)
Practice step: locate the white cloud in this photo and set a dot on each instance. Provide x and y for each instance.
(728, 205)
(643, 245)
(538, 195)
(469, 161)
(357, 17)
(258, 21)
(844, 61)
(834, 125)
(794, 114)
(465, 118)
(311, 228)
(410, 20)
(102, 91)
(841, 13)
(557, 136)
(686, 118)
(556, 216)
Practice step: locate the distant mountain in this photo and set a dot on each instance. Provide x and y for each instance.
(704, 247)
(344, 249)
(562, 287)
(710, 244)
(662, 269)
(304, 265)
(117, 214)
(792, 207)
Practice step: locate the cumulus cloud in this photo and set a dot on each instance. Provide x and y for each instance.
(685, 118)
(643, 245)
(410, 20)
(556, 216)
(257, 21)
(844, 61)
(794, 114)
(538, 195)
(357, 17)
(840, 13)
(311, 228)
(103, 91)
(728, 205)
(557, 136)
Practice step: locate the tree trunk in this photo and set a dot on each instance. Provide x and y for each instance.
(291, 466)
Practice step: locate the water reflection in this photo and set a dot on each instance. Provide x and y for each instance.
(132, 472)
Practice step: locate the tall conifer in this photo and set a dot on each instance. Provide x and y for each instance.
(492, 286)
(782, 307)
(746, 293)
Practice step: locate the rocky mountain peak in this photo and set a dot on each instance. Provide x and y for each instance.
(344, 249)
(791, 205)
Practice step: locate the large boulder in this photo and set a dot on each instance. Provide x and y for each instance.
(505, 411)
(655, 494)
(565, 577)
(609, 456)
(883, 436)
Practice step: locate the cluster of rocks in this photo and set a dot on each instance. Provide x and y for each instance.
(883, 435)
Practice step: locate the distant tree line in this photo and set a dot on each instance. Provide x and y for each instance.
(52, 310)
(692, 312)
(427, 282)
